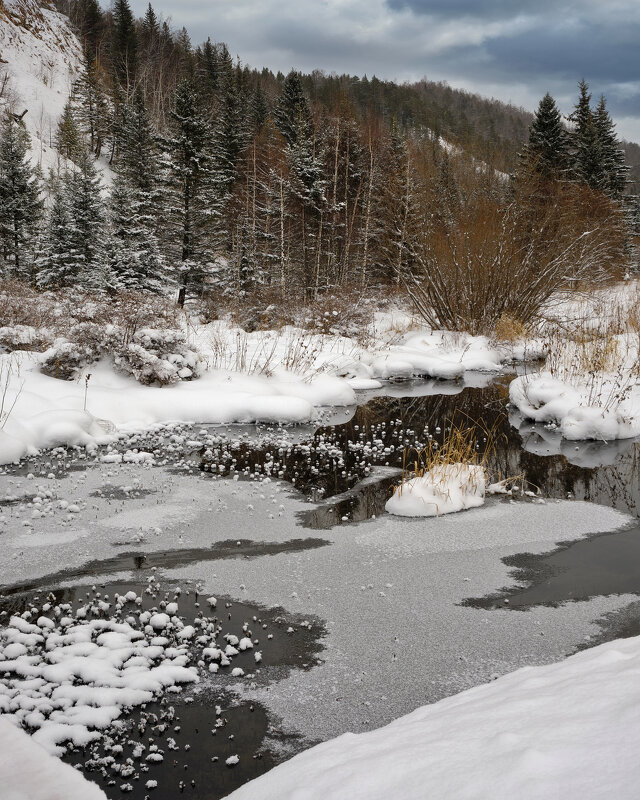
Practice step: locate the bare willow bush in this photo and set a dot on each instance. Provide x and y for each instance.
(506, 259)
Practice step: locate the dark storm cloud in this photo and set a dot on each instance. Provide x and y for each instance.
(489, 9)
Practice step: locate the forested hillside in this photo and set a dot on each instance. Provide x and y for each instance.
(225, 180)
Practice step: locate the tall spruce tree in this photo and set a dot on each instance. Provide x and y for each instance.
(82, 188)
(292, 115)
(20, 200)
(547, 150)
(187, 208)
(135, 258)
(613, 158)
(57, 265)
(124, 44)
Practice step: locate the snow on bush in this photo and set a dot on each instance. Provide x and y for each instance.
(159, 357)
(443, 489)
(23, 337)
(152, 356)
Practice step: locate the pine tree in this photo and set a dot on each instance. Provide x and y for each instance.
(135, 258)
(292, 115)
(68, 136)
(187, 212)
(589, 158)
(613, 157)
(227, 144)
(91, 105)
(547, 150)
(90, 25)
(57, 265)
(124, 44)
(258, 109)
(82, 189)
(20, 200)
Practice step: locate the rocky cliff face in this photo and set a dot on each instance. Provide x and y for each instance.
(40, 58)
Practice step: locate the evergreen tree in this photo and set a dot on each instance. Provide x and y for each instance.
(547, 150)
(124, 44)
(258, 109)
(187, 211)
(20, 199)
(150, 28)
(227, 144)
(589, 158)
(57, 266)
(292, 115)
(135, 259)
(90, 25)
(447, 195)
(82, 189)
(613, 158)
(91, 106)
(68, 136)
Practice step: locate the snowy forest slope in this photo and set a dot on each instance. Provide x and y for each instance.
(40, 58)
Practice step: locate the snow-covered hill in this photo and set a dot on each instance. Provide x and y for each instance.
(40, 57)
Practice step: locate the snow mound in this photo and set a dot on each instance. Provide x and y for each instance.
(444, 489)
(28, 772)
(564, 730)
(582, 413)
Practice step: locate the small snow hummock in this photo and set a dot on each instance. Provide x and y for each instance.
(443, 489)
(562, 730)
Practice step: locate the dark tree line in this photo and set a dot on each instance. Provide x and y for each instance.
(228, 180)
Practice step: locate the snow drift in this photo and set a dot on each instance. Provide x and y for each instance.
(567, 730)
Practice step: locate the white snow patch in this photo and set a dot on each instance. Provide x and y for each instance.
(564, 730)
(443, 489)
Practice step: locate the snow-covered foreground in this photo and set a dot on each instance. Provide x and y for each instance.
(28, 772)
(567, 730)
(389, 589)
(262, 377)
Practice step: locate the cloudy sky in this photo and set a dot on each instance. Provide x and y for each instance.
(515, 50)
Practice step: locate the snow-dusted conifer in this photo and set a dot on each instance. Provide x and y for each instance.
(186, 207)
(20, 200)
(547, 150)
(613, 158)
(81, 186)
(136, 261)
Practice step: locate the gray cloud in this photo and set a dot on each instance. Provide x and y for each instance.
(514, 50)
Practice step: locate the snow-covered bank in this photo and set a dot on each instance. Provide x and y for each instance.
(589, 387)
(565, 730)
(28, 772)
(265, 376)
(45, 412)
(613, 412)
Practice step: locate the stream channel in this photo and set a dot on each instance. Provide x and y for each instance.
(359, 617)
